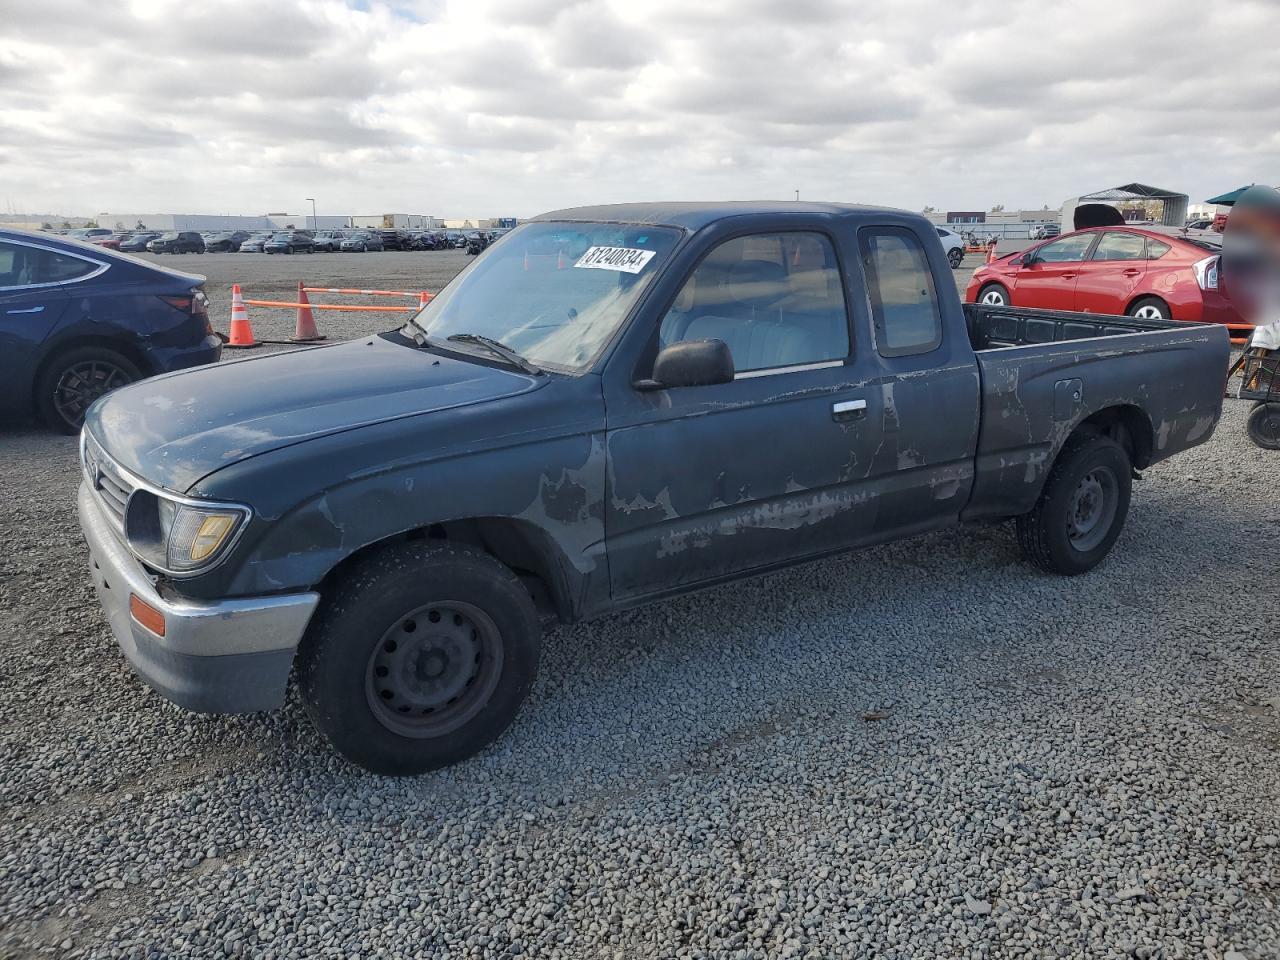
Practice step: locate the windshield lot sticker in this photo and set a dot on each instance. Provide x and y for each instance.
(624, 259)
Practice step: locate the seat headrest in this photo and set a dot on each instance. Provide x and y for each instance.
(758, 283)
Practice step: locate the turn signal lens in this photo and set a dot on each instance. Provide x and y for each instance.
(210, 535)
(147, 615)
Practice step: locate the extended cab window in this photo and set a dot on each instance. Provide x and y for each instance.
(1067, 250)
(904, 303)
(776, 299)
(1120, 246)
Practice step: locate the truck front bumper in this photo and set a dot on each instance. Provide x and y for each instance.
(227, 656)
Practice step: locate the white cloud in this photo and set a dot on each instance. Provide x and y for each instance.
(497, 107)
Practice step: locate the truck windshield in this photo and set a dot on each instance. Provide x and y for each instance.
(552, 292)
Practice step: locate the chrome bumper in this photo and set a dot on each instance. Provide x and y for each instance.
(225, 656)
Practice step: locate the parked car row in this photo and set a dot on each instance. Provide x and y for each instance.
(283, 241)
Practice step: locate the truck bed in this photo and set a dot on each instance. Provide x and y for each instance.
(1157, 384)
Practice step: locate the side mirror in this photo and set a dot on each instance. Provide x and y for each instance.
(1028, 258)
(690, 363)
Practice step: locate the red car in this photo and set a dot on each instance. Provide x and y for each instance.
(1118, 270)
(111, 242)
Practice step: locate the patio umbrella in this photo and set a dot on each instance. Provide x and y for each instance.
(1229, 198)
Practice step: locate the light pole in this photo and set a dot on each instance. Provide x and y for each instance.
(314, 223)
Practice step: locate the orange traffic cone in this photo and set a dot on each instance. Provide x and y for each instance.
(304, 330)
(423, 299)
(526, 261)
(991, 253)
(561, 262)
(241, 332)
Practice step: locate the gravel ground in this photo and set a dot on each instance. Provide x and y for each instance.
(1059, 768)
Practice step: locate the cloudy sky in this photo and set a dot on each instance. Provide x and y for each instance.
(508, 107)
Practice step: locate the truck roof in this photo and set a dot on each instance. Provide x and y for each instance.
(695, 216)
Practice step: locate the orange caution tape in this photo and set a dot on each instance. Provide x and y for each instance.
(329, 306)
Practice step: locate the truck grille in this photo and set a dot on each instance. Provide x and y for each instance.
(110, 484)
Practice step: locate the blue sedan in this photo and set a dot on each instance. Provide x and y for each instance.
(77, 321)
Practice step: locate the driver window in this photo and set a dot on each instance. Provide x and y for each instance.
(775, 299)
(1067, 250)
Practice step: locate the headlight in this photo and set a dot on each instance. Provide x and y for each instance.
(179, 536)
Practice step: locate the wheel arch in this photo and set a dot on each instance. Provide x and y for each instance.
(1126, 424)
(520, 545)
(1138, 298)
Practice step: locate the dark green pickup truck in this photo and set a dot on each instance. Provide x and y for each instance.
(610, 405)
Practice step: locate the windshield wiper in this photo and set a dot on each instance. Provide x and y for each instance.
(497, 348)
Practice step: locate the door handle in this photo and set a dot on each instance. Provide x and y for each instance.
(848, 410)
(1132, 272)
(1068, 276)
(27, 310)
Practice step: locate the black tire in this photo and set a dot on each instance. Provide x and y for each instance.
(1150, 308)
(955, 256)
(1063, 533)
(405, 628)
(69, 384)
(994, 295)
(1263, 425)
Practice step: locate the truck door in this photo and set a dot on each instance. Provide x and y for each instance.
(30, 306)
(927, 377)
(711, 481)
(1112, 273)
(1049, 281)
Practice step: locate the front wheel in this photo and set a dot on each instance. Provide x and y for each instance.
(994, 295)
(954, 257)
(1263, 425)
(420, 657)
(1081, 509)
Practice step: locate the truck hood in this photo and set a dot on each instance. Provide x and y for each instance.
(175, 429)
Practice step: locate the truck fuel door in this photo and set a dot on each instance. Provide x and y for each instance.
(1068, 397)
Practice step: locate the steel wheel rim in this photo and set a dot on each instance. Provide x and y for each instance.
(1092, 509)
(81, 384)
(993, 298)
(434, 669)
(1148, 313)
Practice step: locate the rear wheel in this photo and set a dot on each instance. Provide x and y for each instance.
(1263, 425)
(74, 380)
(954, 256)
(1150, 308)
(1081, 509)
(420, 657)
(994, 295)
